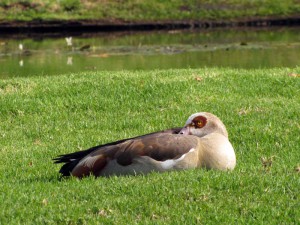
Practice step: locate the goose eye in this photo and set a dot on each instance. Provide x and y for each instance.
(199, 122)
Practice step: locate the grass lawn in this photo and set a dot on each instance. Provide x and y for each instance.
(147, 10)
(43, 117)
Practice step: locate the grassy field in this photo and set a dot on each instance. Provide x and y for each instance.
(137, 10)
(42, 117)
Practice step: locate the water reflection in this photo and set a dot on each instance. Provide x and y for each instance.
(70, 60)
(156, 50)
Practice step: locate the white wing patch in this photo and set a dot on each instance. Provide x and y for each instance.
(170, 163)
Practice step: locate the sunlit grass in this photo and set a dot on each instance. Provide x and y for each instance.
(43, 117)
(136, 10)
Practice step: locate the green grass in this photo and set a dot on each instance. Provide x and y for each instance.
(42, 117)
(137, 10)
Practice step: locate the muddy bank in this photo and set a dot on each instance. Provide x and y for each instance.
(55, 26)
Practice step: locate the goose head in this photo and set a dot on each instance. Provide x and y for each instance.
(203, 123)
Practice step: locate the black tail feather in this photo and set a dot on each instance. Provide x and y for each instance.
(67, 168)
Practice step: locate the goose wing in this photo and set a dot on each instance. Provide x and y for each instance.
(160, 147)
(72, 159)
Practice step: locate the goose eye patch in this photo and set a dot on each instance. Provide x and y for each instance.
(199, 121)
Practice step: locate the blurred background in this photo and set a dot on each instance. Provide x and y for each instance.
(52, 37)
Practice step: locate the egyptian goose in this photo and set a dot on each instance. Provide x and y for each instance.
(201, 143)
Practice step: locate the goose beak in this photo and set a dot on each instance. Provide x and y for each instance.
(185, 131)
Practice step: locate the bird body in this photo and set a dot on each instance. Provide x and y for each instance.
(201, 143)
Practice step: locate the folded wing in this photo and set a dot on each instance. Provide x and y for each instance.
(73, 159)
(140, 155)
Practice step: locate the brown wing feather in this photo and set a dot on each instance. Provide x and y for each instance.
(160, 147)
(80, 154)
(94, 162)
(86, 168)
(72, 160)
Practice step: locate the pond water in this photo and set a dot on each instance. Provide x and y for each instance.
(242, 48)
